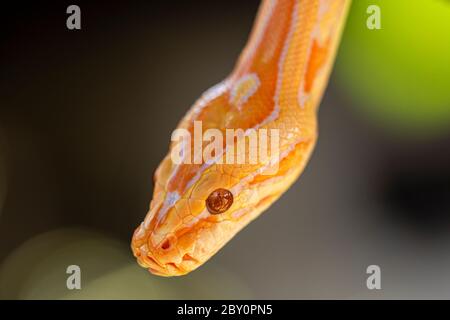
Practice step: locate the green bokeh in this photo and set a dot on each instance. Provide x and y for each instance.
(400, 74)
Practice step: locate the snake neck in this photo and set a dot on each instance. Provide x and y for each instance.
(290, 52)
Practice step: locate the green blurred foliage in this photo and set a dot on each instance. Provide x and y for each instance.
(400, 74)
(37, 270)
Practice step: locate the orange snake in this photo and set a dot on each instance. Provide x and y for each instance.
(277, 83)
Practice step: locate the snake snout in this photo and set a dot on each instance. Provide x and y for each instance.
(149, 260)
(164, 259)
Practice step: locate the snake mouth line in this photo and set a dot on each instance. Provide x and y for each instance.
(147, 260)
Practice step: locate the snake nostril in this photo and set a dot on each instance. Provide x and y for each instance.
(166, 244)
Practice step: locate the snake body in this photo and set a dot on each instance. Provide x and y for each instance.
(277, 83)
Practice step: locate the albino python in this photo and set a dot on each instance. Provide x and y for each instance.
(278, 82)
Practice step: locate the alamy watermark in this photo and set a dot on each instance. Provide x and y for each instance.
(373, 22)
(73, 21)
(374, 280)
(231, 146)
(73, 281)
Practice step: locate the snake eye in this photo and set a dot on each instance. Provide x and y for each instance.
(219, 201)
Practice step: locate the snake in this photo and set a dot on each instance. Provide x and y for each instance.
(277, 84)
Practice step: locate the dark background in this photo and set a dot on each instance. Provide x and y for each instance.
(86, 116)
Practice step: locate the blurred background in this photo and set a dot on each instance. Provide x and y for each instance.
(86, 116)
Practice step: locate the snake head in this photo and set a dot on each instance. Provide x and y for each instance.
(198, 207)
(183, 229)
